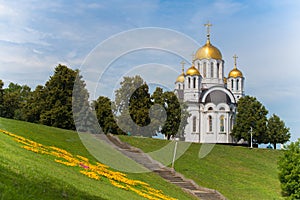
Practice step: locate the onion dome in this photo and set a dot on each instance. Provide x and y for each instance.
(208, 51)
(234, 73)
(180, 78)
(192, 71)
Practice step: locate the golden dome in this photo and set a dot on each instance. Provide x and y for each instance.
(225, 80)
(180, 78)
(235, 73)
(192, 71)
(208, 51)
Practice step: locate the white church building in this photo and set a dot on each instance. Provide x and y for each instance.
(211, 96)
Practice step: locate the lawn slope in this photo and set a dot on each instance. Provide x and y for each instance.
(236, 172)
(28, 175)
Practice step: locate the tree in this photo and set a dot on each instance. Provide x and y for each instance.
(277, 132)
(176, 112)
(250, 113)
(34, 105)
(14, 98)
(105, 115)
(289, 171)
(132, 105)
(123, 94)
(58, 92)
(139, 106)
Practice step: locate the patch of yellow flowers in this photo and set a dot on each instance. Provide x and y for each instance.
(93, 171)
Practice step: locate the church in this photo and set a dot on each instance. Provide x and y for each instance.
(211, 96)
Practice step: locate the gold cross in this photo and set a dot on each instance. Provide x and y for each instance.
(193, 56)
(235, 57)
(182, 64)
(208, 25)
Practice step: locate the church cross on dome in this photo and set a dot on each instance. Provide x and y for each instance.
(182, 64)
(193, 56)
(235, 58)
(208, 25)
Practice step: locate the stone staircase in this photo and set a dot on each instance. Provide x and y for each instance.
(165, 172)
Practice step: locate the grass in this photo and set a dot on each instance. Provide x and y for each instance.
(236, 172)
(27, 175)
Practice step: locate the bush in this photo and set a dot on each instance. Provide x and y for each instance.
(289, 171)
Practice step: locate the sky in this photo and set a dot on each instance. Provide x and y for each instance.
(109, 39)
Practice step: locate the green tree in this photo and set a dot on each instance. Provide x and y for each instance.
(132, 105)
(176, 112)
(105, 115)
(58, 93)
(14, 98)
(158, 113)
(289, 171)
(277, 132)
(139, 106)
(34, 105)
(250, 113)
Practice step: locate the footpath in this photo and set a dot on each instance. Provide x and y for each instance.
(167, 173)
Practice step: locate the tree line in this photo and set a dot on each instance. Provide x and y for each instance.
(135, 111)
(252, 116)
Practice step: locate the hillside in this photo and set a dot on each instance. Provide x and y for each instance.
(236, 172)
(40, 162)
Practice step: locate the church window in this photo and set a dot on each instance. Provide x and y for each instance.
(189, 82)
(210, 108)
(222, 108)
(194, 82)
(237, 84)
(222, 129)
(209, 123)
(232, 84)
(194, 124)
(179, 86)
(218, 69)
(212, 70)
(204, 69)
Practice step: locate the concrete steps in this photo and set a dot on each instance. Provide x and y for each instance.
(167, 173)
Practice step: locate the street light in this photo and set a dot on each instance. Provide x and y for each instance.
(251, 145)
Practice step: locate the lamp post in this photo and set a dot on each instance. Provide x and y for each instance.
(251, 144)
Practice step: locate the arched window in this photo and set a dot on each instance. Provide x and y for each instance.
(222, 127)
(209, 123)
(211, 69)
(237, 84)
(194, 82)
(222, 108)
(189, 82)
(179, 86)
(218, 70)
(204, 69)
(232, 84)
(210, 108)
(194, 124)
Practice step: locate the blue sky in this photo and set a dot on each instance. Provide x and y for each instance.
(37, 35)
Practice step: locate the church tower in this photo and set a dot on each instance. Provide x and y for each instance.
(192, 85)
(208, 60)
(235, 81)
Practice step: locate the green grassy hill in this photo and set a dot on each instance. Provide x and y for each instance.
(28, 175)
(236, 172)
